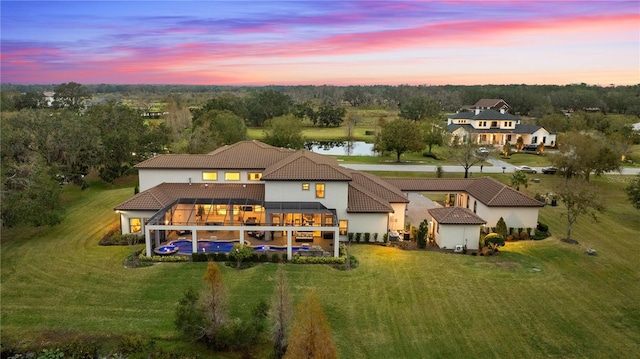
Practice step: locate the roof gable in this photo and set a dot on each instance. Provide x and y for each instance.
(361, 201)
(455, 215)
(305, 166)
(486, 190)
(240, 155)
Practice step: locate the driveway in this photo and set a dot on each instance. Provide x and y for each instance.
(417, 208)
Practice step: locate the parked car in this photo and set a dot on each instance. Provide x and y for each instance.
(525, 169)
(530, 148)
(483, 150)
(550, 170)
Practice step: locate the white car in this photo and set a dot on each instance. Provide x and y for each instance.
(483, 150)
(525, 169)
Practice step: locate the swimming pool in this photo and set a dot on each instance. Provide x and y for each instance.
(184, 247)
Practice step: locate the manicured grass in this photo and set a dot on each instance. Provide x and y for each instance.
(408, 304)
(526, 159)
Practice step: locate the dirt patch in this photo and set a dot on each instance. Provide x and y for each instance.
(569, 241)
(508, 265)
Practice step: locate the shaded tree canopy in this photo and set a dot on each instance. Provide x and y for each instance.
(419, 108)
(582, 153)
(71, 95)
(579, 198)
(633, 191)
(215, 128)
(284, 131)
(399, 136)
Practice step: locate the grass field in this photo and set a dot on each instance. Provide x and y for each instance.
(57, 281)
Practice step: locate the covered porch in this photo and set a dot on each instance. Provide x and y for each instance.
(270, 223)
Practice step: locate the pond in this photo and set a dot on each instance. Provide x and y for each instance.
(344, 148)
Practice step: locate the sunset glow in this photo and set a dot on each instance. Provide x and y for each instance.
(321, 42)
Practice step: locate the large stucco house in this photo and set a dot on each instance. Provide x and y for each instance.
(489, 123)
(251, 188)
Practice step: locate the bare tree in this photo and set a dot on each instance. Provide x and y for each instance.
(280, 314)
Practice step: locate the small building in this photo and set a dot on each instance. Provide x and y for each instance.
(455, 228)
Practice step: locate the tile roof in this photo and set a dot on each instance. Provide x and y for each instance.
(367, 194)
(455, 215)
(164, 194)
(306, 166)
(240, 155)
(489, 102)
(379, 187)
(494, 115)
(361, 201)
(486, 190)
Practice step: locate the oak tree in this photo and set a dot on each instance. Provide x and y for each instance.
(399, 136)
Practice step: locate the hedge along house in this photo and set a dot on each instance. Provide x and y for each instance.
(482, 200)
(249, 187)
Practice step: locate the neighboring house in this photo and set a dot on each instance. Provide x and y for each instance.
(489, 123)
(49, 98)
(250, 186)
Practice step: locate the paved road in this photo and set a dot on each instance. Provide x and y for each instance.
(498, 166)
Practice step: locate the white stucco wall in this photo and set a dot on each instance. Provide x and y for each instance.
(452, 235)
(367, 222)
(149, 178)
(397, 218)
(336, 193)
(124, 219)
(516, 217)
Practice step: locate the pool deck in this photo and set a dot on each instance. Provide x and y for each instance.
(278, 241)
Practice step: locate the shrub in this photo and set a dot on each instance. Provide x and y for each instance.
(358, 237)
(199, 257)
(367, 237)
(493, 241)
(430, 155)
(350, 236)
(275, 258)
(439, 172)
(385, 238)
(264, 257)
(375, 237)
(317, 260)
(369, 132)
(221, 257)
(501, 228)
(542, 227)
(241, 252)
(524, 236)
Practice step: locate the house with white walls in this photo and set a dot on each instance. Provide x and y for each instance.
(251, 187)
(489, 123)
(251, 191)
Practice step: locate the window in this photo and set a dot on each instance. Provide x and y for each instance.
(494, 123)
(319, 190)
(209, 176)
(475, 206)
(254, 176)
(509, 138)
(305, 186)
(232, 176)
(534, 139)
(135, 225)
(344, 226)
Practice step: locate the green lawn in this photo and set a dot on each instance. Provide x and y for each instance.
(396, 304)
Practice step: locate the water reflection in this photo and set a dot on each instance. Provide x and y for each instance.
(348, 148)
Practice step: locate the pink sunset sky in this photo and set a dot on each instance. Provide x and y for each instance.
(321, 42)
